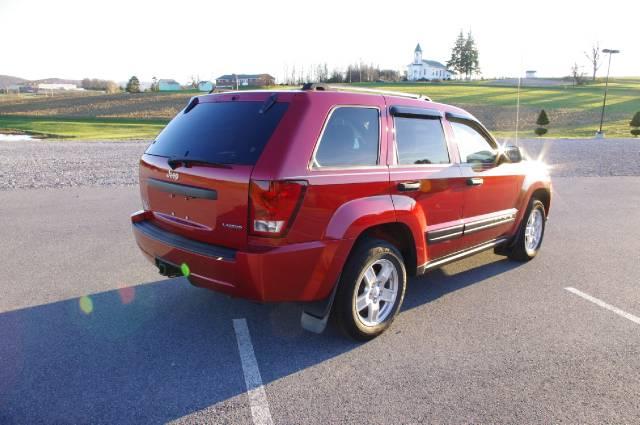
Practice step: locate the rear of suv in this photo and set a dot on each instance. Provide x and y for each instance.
(331, 198)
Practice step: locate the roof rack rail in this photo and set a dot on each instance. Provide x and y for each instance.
(328, 87)
(316, 87)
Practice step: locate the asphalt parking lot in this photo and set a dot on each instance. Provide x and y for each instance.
(90, 333)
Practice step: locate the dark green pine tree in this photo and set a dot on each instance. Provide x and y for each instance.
(543, 118)
(133, 86)
(635, 124)
(469, 58)
(542, 121)
(455, 63)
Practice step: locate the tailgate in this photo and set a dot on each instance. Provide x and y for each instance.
(194, 178)
(202, 203)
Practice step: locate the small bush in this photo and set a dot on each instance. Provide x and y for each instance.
(635, 124)
(540, 131)
(543, 119)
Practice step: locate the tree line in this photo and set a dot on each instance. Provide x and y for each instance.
(354, 73)
(96, 84)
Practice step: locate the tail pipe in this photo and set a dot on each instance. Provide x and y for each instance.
(166, 269)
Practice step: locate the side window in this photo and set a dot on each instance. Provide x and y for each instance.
(420, 141)
(474, 148)
(350, 138)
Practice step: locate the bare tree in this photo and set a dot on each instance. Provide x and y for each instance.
(322, 73)
(594, 58)
(195, 81)
(577, 75)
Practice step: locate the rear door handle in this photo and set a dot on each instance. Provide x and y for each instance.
(475, 181)
(408, 186)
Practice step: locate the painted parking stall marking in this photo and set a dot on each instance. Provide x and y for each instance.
(604, 305)
(255, 390)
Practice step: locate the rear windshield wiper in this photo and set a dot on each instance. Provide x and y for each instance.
(175, 161)
(271, 100)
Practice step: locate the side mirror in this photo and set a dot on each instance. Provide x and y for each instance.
(510, 153)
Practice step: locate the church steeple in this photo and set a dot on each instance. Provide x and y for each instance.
(417, 54)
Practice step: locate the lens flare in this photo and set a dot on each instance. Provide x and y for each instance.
(185, 270)
(86, 305)
(127, 294)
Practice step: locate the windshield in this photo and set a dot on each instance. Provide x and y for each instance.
(222, 132)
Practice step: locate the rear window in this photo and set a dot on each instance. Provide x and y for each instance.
(223, 132)
(350, 138)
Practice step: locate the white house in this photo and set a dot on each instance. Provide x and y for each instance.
(426, 69)
(205, 86)
(530, 74)
(57, 86)
(168, 85)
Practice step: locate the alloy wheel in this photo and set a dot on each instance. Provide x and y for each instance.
(533, 231)
(376, 292)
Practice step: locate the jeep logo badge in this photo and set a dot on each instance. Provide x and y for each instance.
(173, 175)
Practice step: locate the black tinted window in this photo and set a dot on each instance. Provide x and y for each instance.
(420, 141)
(225, 132)
(350, 138)
(474, 148)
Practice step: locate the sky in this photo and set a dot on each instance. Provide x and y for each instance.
(114, 39)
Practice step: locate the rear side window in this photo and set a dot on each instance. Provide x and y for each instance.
(420, 141)
(223, 132)
(350, 138)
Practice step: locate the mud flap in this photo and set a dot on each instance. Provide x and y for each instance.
(315, 315)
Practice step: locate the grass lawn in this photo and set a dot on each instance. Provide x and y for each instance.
(574, 111)
(623, 95)
(84, 129)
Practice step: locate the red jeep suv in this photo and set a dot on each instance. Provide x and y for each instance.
(331, 197)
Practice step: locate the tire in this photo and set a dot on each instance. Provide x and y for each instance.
(527, 244)
(365, 305)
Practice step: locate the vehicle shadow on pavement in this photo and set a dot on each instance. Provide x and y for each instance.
(433, 285)
(161, 350)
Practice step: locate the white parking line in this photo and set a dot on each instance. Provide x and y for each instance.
(603, 304)
(255, 390)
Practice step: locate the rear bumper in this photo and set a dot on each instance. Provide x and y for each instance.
(295, 272)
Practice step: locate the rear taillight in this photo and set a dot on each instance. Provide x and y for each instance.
(273, 206)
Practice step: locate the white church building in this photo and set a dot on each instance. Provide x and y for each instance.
(426, 69)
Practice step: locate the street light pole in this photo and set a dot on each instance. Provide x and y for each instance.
(606, 87)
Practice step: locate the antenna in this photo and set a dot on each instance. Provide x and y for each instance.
(518, 108)
(518, 101)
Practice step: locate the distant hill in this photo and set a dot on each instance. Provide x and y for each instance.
(56, 81)
(7, 80)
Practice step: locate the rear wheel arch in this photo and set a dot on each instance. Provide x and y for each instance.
(397, 234)
(357, 215)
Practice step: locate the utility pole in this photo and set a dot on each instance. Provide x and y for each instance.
(611, 52)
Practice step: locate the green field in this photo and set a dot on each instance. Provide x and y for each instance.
(84, 129)
(574, 111)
